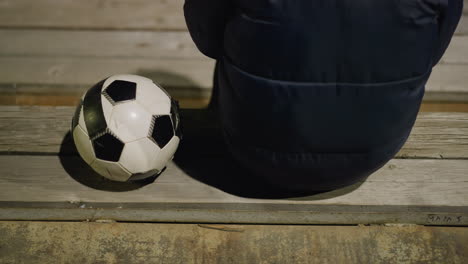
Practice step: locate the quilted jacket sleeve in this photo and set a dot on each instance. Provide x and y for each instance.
(449, 16)
(206, 20)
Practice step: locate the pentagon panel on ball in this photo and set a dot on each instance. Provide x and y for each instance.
(120, 91)
(107, 146)
(162, 130)
(126, 128)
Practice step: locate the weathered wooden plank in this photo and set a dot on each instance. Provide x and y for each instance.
(63, 188)
(435, 135)
(457, 52)
(64, 58)
(134, 44)
(448, 78)
(39, 242)
(105, 14)
(222, 213)
(93, 14)
(67, 179)
(85, 43)
(438, 135)
(426, 107)
(445, 96)
(462, 28)
(76, 71)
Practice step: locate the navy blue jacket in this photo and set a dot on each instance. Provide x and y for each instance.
(318, 94)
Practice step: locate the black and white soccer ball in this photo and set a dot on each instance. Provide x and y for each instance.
(126, 128)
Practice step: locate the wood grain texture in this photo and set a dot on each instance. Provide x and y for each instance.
(435, 135)
(61, 62)
(39, 242)
(102, 44)
(82, 71)
(134, 44)
(200, 185)
(104, 14)
(438, 135)
(442, 107)
(85, 71)
(409, 182)
(429, 192)
(93, 14)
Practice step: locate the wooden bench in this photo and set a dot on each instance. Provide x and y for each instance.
(202, 209)
(42, 178)
(54, 51)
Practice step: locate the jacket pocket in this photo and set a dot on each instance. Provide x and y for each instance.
(317, 117)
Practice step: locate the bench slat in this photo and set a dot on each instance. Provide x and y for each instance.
(104, 44)
(70, 72)
(447, 80)
(134, 44)
(93, 14)
(42, 129)
(403, 191)
(67, 62)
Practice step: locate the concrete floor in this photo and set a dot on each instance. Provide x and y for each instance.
(82, 242)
